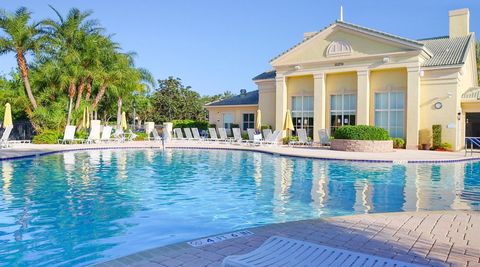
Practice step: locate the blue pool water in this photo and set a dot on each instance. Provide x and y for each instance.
(87, 207)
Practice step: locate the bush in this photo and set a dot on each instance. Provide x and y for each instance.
(398, 143)
(201, 125)
(47, 137)
(245, 136)
(361, 132)
(82, 134)
(287, 139)
(437, 135)
(141, 136)
(265, 126)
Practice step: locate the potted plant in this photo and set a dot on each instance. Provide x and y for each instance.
(425, 137)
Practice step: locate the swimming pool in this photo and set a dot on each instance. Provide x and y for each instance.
(80, 208)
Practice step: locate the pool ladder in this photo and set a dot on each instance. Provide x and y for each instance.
(474, 143)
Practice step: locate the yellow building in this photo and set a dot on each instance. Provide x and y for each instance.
(347, 74)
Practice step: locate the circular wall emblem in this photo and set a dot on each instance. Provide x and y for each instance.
(438, 105)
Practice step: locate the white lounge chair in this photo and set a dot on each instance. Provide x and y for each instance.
(68, 135)
(266, 133)
(223, 135)
(188, 134)
(167, 135)
(6, 134)
(94, 134)
(324, 137)
(251, 135)
(282, 251)
(237, 135)
(156, 137)
(274, 139)
(131, 135)
(178, 134)
(119, 135)
(106, 134)
(196, 134)
(302, 138)
(213, 135)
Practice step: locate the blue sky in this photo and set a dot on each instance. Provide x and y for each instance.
(218, 45)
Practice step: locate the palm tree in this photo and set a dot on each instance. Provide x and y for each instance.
(21, 37)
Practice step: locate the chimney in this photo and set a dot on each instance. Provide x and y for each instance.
(307, 35)
(243, 91)
(459, 22)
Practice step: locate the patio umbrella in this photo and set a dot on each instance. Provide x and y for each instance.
(124, 120)
(7, 119)
(87, 123)
(259, 120)
(288, 125)
(84, 118)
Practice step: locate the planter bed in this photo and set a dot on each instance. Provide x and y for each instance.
(362, 145)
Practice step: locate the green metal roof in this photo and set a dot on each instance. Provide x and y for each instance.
(446, 51)
(472, 94)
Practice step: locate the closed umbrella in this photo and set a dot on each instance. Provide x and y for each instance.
(259, 120)
(87, 125)
(288, 125)
(7, 119)
(124, 120)
(84, 118)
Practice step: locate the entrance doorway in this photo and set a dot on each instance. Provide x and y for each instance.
(472, 125)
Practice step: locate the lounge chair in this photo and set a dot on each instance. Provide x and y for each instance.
(213, 135)
(196, 134)
(324, 137)
(119, 135)
(6, 134)
(156, 137)
(274, 139)
(282, 251)
(188, 134)
(266, 133)
(106, 134)
(131, 135)
(237, 135)
(223, 135)
(68, 135)
(177, 134)
(251, 135)
(302, 138)
(167, 135)
(93, 136)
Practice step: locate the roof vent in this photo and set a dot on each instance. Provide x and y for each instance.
(243, 91)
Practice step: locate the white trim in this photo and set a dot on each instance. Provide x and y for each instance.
(389, 110)
(338, 48)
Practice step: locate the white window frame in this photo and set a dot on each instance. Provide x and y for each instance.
(343, 111)
(388, 109)
(243, 121)
(223, 118)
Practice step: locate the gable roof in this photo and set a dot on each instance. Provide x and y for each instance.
(446, 51)
(249, 98)
(344, 24)
(472, 94)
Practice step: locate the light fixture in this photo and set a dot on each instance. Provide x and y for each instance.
(421, 73)
(450, 94)
(297, 67)
(386, 60)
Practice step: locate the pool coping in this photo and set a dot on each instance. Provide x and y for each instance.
(244, 148)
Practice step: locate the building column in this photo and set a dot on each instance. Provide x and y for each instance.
(363, 97)
(280, 102)
(413, 107)
(319, 102)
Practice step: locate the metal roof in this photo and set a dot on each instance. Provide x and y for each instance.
(271, 74)
(446, 51)
(472, 94)
(249, 98)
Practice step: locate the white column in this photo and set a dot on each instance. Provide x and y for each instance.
(413, 107)
(363, 97)
(280, 102)
(319, 104)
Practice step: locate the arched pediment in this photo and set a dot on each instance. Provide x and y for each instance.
(338, 48)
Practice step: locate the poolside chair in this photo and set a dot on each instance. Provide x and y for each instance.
(324, 137)
(274, 139)
(223, 135)
(282, 251)
(302, 138)
(68, 135)
(106, 134)
(131, 135)
(156, 137)
(237, 135)
(188, 134)
(266, 133)
(251, 134)
(213, 135)
(119, 135)
(94, 134)
(196, 134)
(6, 134)
(167, 135)
(177, 134)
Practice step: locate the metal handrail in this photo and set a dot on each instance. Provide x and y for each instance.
(473, 141)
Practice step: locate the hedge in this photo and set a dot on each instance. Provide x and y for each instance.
(437, 135)
(47, 137)
(201, 125)
(361, 132)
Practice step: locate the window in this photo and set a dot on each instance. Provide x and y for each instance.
(248, 121)
(343, 111)
(302, 113)
(389, 112)
(227, 120)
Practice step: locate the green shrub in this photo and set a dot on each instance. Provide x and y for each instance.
(245, 136)
(266, 126)
(201, 125)
(47, 137)
(437, 135)
(141, 136)
(361, 132)
(398, 143)
(211, 126)
(287, 139)
(82, 134)
(446, 146)
(235, 126)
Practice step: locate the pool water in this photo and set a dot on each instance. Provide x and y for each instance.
(80, 208)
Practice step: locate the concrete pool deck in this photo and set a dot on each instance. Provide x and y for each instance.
(398, 156)
(439, 238)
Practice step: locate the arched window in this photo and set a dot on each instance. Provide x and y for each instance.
(338, 48)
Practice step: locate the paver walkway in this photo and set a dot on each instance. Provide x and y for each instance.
(446, 238)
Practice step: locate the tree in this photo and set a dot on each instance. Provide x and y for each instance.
(21, 37)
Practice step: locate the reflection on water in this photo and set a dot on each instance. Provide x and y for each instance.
(85, 207)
